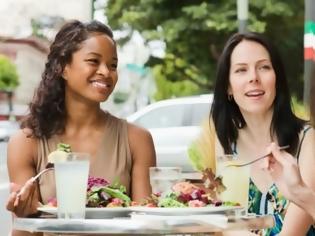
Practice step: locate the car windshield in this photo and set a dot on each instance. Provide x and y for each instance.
(175, 115)
(199, 113)
(162, 117)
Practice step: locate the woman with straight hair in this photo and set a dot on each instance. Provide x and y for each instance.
(251, 109)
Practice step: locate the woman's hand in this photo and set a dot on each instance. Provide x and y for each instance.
(284, 171)
(22, 200)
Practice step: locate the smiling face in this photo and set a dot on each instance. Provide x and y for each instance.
(92, 72)
(252, 78)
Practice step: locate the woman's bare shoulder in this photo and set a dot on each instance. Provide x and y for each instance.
(308, 141)
(306, 158)
(23, 139)
(139, 138)
(137, 131)
(23, 134)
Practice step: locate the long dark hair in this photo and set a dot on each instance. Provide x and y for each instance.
(226, 114)
(47, 110)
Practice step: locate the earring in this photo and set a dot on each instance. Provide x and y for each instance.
(230, 97)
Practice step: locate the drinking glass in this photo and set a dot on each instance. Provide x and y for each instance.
(163, 178)
(235, 179)
(71, 183)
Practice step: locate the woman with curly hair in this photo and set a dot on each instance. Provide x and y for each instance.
(80, 73)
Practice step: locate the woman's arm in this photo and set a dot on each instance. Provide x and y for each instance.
(143, 157)
(285, 172)
(304, 197)
(21, 167)
(297, 221)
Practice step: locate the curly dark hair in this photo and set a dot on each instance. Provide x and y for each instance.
(47, 110)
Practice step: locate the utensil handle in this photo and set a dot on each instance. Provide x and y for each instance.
(258, 159)
(40, 173)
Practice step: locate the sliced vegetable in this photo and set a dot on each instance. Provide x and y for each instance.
(60, 155)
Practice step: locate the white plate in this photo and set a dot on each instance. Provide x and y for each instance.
(172, 211)
(94, 213)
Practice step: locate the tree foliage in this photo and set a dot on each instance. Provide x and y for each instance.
(9, 78)
(195, 31)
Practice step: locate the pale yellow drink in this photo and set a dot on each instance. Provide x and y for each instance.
(71, 183)
(235, 179)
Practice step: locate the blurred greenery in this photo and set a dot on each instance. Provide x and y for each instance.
(195, 31)
(166, 88)
(9, 78)
(299, 109)
(201, 151)
(120, 97)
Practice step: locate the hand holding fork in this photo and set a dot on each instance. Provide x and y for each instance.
(22, 200)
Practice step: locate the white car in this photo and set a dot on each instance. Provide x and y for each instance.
(174, 124)
(7, 128)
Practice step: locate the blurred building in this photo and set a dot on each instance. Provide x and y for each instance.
(16, 15)
(17, 41)
(20, 18)
(29, 55)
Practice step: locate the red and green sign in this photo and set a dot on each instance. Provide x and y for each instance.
(309, 40)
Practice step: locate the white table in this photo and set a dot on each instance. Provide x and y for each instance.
(129, 226)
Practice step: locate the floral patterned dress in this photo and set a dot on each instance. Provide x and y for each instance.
(272, 202)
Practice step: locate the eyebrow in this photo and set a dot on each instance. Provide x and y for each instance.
(259, 61)
(99, 55)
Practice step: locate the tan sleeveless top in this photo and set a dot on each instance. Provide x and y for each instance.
(113, 161)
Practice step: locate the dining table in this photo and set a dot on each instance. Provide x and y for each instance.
(145, 224)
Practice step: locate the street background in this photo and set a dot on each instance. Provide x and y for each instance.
(166, 49)
(5, 216)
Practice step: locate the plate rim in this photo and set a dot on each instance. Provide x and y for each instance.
(209, 209)
(53, 210)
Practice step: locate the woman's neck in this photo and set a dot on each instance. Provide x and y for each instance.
(81, 115)
(257, 130)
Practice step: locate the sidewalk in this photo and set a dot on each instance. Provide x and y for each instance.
(5, 216)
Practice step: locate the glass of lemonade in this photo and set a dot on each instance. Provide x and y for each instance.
(71, 183)
(235, 179)
(163, 178)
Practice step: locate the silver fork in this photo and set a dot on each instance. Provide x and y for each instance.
(41, 172)
(48, 167)
(257, 159)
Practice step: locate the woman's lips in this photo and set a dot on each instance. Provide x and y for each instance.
(101, 86)
(254, 93)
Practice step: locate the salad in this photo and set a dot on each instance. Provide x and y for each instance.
(100, 193)
(186, 194)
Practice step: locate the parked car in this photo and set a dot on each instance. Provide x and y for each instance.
(174, 124)
(7, 128)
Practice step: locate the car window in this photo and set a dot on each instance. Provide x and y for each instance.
(163, 117)
(200, 112)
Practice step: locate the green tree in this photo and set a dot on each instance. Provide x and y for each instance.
(9, 78)
(195, 31)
